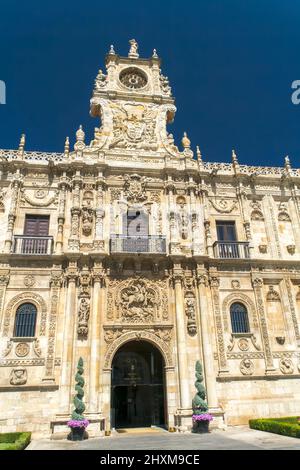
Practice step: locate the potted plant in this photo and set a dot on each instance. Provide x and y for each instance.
(78, 423)
(201, 417)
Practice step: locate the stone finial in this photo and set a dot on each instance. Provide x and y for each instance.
(234, 157)
(22, 143)
(111, 50)
(186, 143)
(154, 55)
(80, 134)
(67, 146)
(133, 51)
(287, 163)
(198, 153)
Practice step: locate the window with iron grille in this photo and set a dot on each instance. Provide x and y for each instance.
(239, 318)
(25, 320)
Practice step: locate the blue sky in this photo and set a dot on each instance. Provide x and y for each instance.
(230, 64)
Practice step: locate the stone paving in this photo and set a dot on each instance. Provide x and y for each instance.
(234, 438)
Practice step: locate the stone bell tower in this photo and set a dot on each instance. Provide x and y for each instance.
(134, 102)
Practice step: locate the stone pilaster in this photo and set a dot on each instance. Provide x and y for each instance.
(222, 359)
(56, 280)
(185, 398)
(75, 213)
(207, 232)
(68, 339)
(15, 189)
(63, 185)
(258, 290)
(206, 334)
(4, 280)
(95, 343)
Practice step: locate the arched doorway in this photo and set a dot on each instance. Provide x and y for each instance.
(138, 386)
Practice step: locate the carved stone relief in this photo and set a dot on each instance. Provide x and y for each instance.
(135, 188)
(247, 367)
(137, 300)
(18, 377)
(286, 366)
(224, 206)
(84, 304)
(22, 349)
(134, 126)
(272, 295)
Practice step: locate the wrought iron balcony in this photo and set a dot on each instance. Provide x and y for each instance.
(231, 250)
(32, 245)
(143, 244)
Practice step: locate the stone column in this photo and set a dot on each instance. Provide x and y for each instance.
(63, 184)
(206, 339)
(100, 213)
(95, 339)
(195, 216)
(185, 398)
(242, 200)
(68, 339)
(205, 202)
(75, 213)
(4, 280)
(170, 188)
(16, 183)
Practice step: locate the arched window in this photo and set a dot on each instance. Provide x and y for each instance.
(239, 318)
(25, 320)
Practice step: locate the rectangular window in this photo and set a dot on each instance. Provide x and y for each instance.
(226, 231)
(36, 231)
(36, 225)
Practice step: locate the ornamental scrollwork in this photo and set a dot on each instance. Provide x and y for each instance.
(223, 205)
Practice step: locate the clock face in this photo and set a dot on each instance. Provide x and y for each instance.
(133, 78)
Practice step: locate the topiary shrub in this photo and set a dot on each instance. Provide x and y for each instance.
(14, 440)
(199, 404)
(78, 423)
(78, 403)
(201, 417)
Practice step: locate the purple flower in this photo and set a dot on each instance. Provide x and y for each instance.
(202, 417)
(74, 423)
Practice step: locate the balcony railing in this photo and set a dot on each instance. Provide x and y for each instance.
(231, 250)
(32, 245)
(144, 244)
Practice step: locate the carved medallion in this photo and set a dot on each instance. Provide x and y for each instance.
(133, 78)
(243, 344)
(29, 280)
(247, 367)
(22, 349)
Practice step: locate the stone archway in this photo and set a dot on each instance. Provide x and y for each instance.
(138, 395)
(159, 344)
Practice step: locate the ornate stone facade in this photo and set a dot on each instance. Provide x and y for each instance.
(133, 255)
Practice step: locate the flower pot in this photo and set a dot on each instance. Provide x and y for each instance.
(200, 427)
(77, 434)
